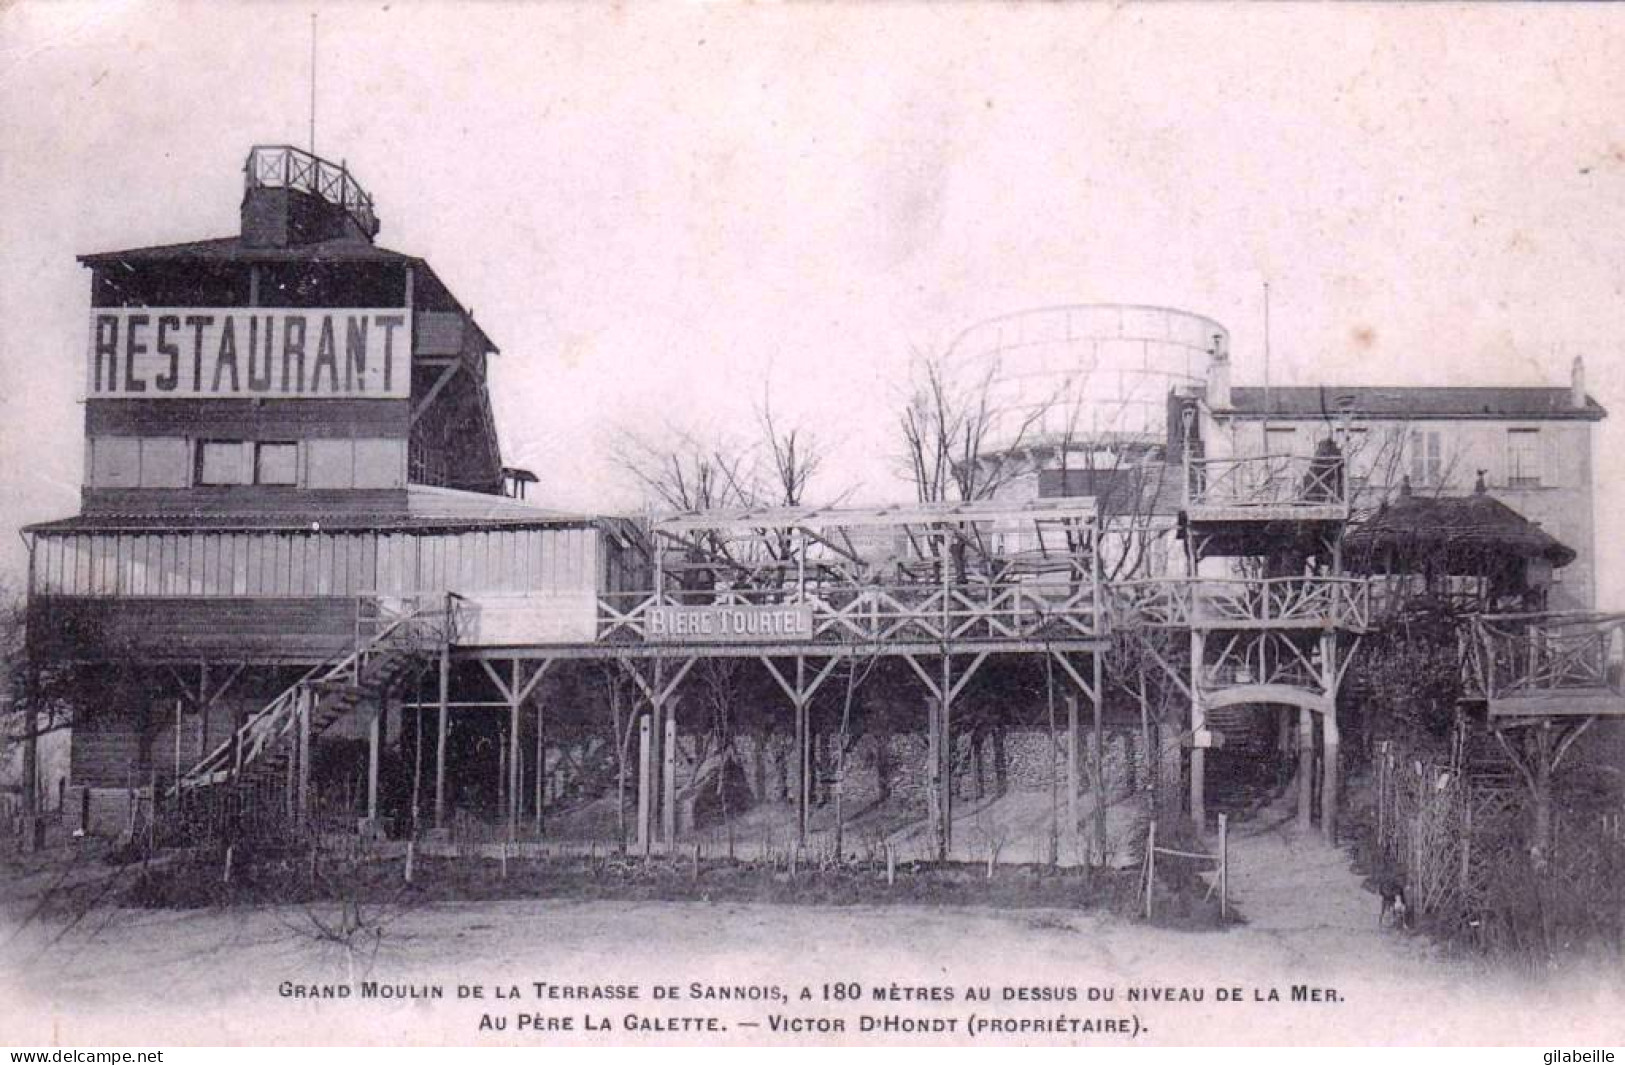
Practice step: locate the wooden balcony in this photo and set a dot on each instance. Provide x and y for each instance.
(1266, 488)
(1549, 665)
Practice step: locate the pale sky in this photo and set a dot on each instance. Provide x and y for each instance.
(654, 211)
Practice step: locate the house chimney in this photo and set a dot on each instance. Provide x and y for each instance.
(1218, 373)
(1577, 383)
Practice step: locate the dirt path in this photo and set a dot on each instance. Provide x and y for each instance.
(214, 976)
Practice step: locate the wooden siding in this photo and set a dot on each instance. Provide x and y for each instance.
(304, 629)
(246, 419)
(243, 499)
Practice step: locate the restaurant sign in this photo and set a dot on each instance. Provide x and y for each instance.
(248, 353)
(729, 624)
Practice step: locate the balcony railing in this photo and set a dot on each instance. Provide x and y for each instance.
(1276, 481)
(1551, 655)
(1272, 602)
(1015, 612)
(281, 166)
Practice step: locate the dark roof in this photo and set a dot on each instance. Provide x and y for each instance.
(109, 523)
(1467, 532)
(232, 249)
(427, 509)
(1332, 401)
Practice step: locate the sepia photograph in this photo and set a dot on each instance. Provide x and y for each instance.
(811, 524)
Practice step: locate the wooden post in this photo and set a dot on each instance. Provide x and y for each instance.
(440, 737)
(945, 750)
(516, 761)
(1199, 787)
(1198, 798)
(668, 779)
(503, 798)
(1466, 838)
(1382, 797)
(541, 768)
(1098, 697)
(1150, 866)
(645, 804)
(373, 740)
(1330, 777)
(1306, 767)
(304, 757)
(1224, 867)
(1074, 774)
(803, 751)
(657, 734)
(933, 769)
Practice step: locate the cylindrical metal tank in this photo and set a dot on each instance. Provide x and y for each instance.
(1084, 373)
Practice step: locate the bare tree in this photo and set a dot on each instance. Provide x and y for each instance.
(951, 421)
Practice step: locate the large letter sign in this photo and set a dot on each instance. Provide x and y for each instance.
(249, 352)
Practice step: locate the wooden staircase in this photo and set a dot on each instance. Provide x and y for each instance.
(275, 741)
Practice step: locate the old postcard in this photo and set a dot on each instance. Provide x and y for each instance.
(910, 525)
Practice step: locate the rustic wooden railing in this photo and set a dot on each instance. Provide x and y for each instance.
(1265, 481)
(282, 166)
(1272, 602)
(1516, 655)
(874, 614)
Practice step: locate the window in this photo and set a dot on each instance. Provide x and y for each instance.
(115, 462)
(1523, 458)
(163, 462)
(220, 462)
(1359, 455)
(1282, 441)
(276, 463)
(1427, 457)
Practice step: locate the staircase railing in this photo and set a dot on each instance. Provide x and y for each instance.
(414, 625)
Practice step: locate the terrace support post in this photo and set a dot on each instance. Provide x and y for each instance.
(516, 762)
(304, 757)
(1330, 777)
(1074, 772)
(939, 729)
(440, 737)
(657, 758)
(668, 776)
(803, 752)
(1306, 767)
(945, 766)
(800, 690)
(1097, 696)
(1199, 733)
(541, 769)
(645, 811)
(374, 727)
(515, 690)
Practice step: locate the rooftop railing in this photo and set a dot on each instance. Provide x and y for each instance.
(282, 166)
